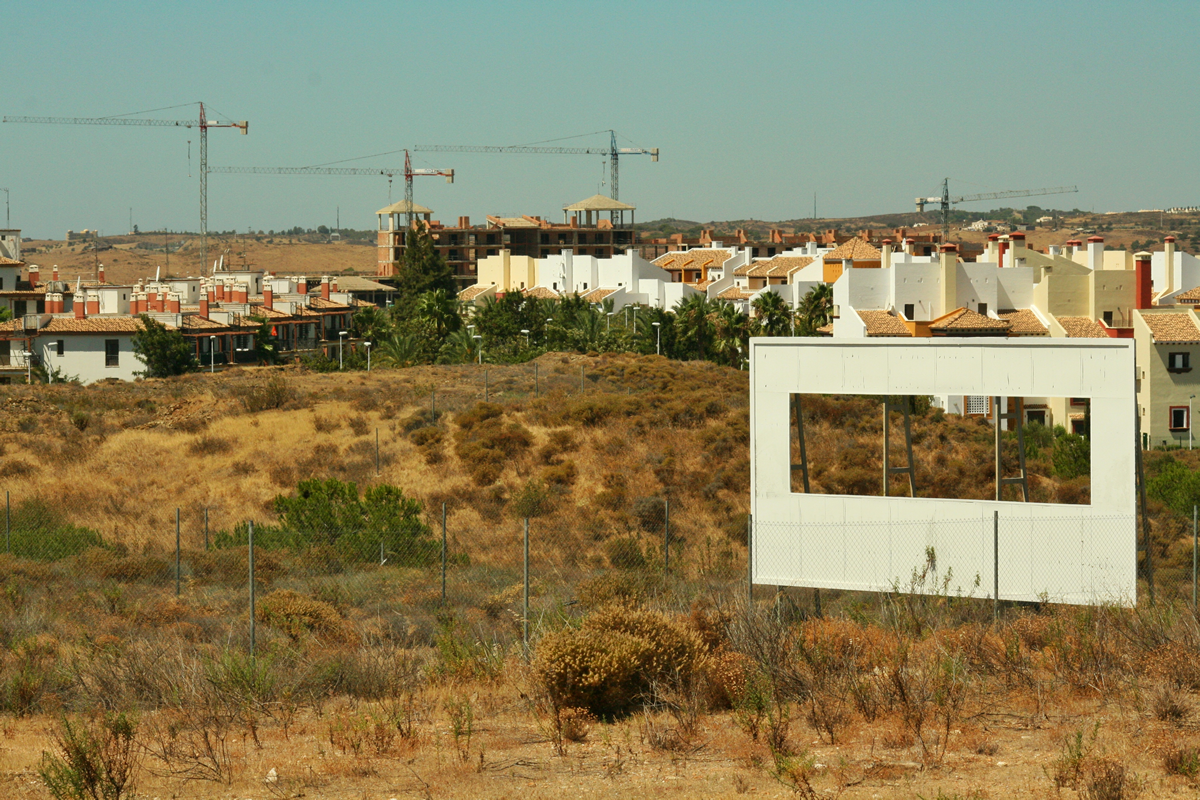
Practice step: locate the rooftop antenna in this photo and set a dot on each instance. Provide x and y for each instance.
(189, 158)
(157, 270)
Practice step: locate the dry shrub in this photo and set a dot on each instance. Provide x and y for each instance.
(325, 424)
(428, 440)
(486, 445)
(1108, 779)
(562, 474)
(1182, 759)
(557, 443)
(609, 588)
(263, 396)
(610, 663)
(232, 566)
(1175, 663)
(573, 724)
(209, 445)
(1168, 705)
(243, 468)
(282, 474)
(359, 424)
(105, 564)
(300, 616)
(17, 468)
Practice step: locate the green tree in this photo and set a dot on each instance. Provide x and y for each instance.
(331, 513)
(773, 317)
(422, 270)
(731, 334)
(439, 309)
(265, 341)
(693, 320)
(164, 351)
(815, 310)
(398, 350)
(371, 323)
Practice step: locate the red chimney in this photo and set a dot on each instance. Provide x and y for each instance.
(949, 248)
(34, 274)
(1003, 248)
(80, 305)
(100, 273)
(268, 297)
(221, 291)
(173, 303)
(55, 272)
(1143, 291)
(204, 306)
(333, 285)
(325, 288)
(240, 293)
(93, 304)
(302, 285)
(1169, 239)
(1095, 239)
(211, 293)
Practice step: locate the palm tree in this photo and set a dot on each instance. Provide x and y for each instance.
(815, 309)
(398, 351)
(773, 317)
(695, 327)
(371, 323)
(440, 310)
(459, 347)
(731, 333)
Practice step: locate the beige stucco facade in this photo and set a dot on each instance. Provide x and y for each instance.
(508, 272)
(1158, 388)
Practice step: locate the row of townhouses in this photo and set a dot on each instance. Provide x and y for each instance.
(86, 331)
(902, 289)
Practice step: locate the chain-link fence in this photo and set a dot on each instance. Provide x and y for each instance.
(381, 567)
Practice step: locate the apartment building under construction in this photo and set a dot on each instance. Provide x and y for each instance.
(598, 226)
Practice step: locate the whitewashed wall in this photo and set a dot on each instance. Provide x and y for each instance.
(1066, 553)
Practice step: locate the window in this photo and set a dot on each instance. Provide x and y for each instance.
(58, 347)
(1035, 416)
(977, 404)
(1108, 318)
(1079, 401)
(1, 284)
(112, 353)
(983, 309)
(1179, 418)
(1179, 362)
(909, 311)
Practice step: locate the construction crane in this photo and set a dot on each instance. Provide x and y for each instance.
(946, 200)
(612, 152)
(203, 123)
(407, 171)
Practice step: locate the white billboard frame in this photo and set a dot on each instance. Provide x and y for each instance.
(1080, 554)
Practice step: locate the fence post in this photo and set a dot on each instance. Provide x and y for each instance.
(1195, 551)
(485, 386)
(536, 388)
(666, 535)
(7, 523)
(581, 378)
(177, 572)
(206, 529)
(525, 602)
(433, 404)
(377, 452)
(995, 565)
(749, 561)
(443, 554)
(250, 558)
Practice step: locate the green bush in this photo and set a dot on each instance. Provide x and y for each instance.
(40, 532)
(1072, 456)
(98, 759)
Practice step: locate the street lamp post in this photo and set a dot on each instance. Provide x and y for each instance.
(479, 339)
(526, 332)
(657, 338)
(368, 346)
(608, 322)
(341, 338)
(212, 354)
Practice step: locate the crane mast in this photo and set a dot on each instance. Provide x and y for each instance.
(203, 123)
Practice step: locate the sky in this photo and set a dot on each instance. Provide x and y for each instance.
(755, 106)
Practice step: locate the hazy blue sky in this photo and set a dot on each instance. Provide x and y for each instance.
(755, 106)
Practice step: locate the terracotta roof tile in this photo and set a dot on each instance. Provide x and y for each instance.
(883, 323)
(598, 295)
(1082, 328)
(855, 249)
(196, 322)
(1024, 322)
(542, 293)
(321, 304)
(714, 258)
(1172, 328)
(735, 293)
(89, 325)
(774, 267)
(826, 329)
(471, 292)
(1191, 296)
(964, 319)
(5, 261)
